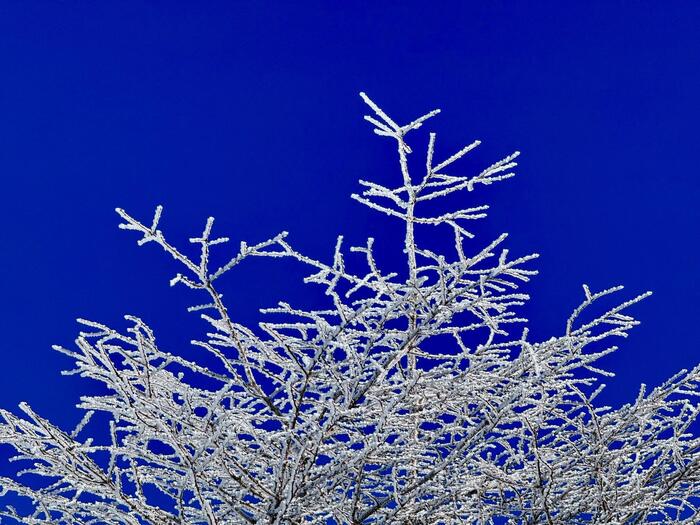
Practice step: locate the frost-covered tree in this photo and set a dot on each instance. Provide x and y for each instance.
(413, 396)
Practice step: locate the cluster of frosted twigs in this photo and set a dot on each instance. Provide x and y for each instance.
(408, 400)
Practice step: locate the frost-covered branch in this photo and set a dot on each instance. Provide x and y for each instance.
(413, 396)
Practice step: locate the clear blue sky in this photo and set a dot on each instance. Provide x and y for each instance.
(249, 112)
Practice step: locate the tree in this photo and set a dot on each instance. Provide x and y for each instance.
(405, 400)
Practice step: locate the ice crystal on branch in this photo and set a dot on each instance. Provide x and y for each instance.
(414, 396)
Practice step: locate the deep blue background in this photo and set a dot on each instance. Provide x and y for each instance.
(249, 112)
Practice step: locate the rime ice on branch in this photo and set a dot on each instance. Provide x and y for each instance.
(406, 400)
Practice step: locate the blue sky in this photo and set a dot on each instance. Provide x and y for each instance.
(249, 112)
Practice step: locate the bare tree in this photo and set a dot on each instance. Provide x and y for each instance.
(405, 400)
